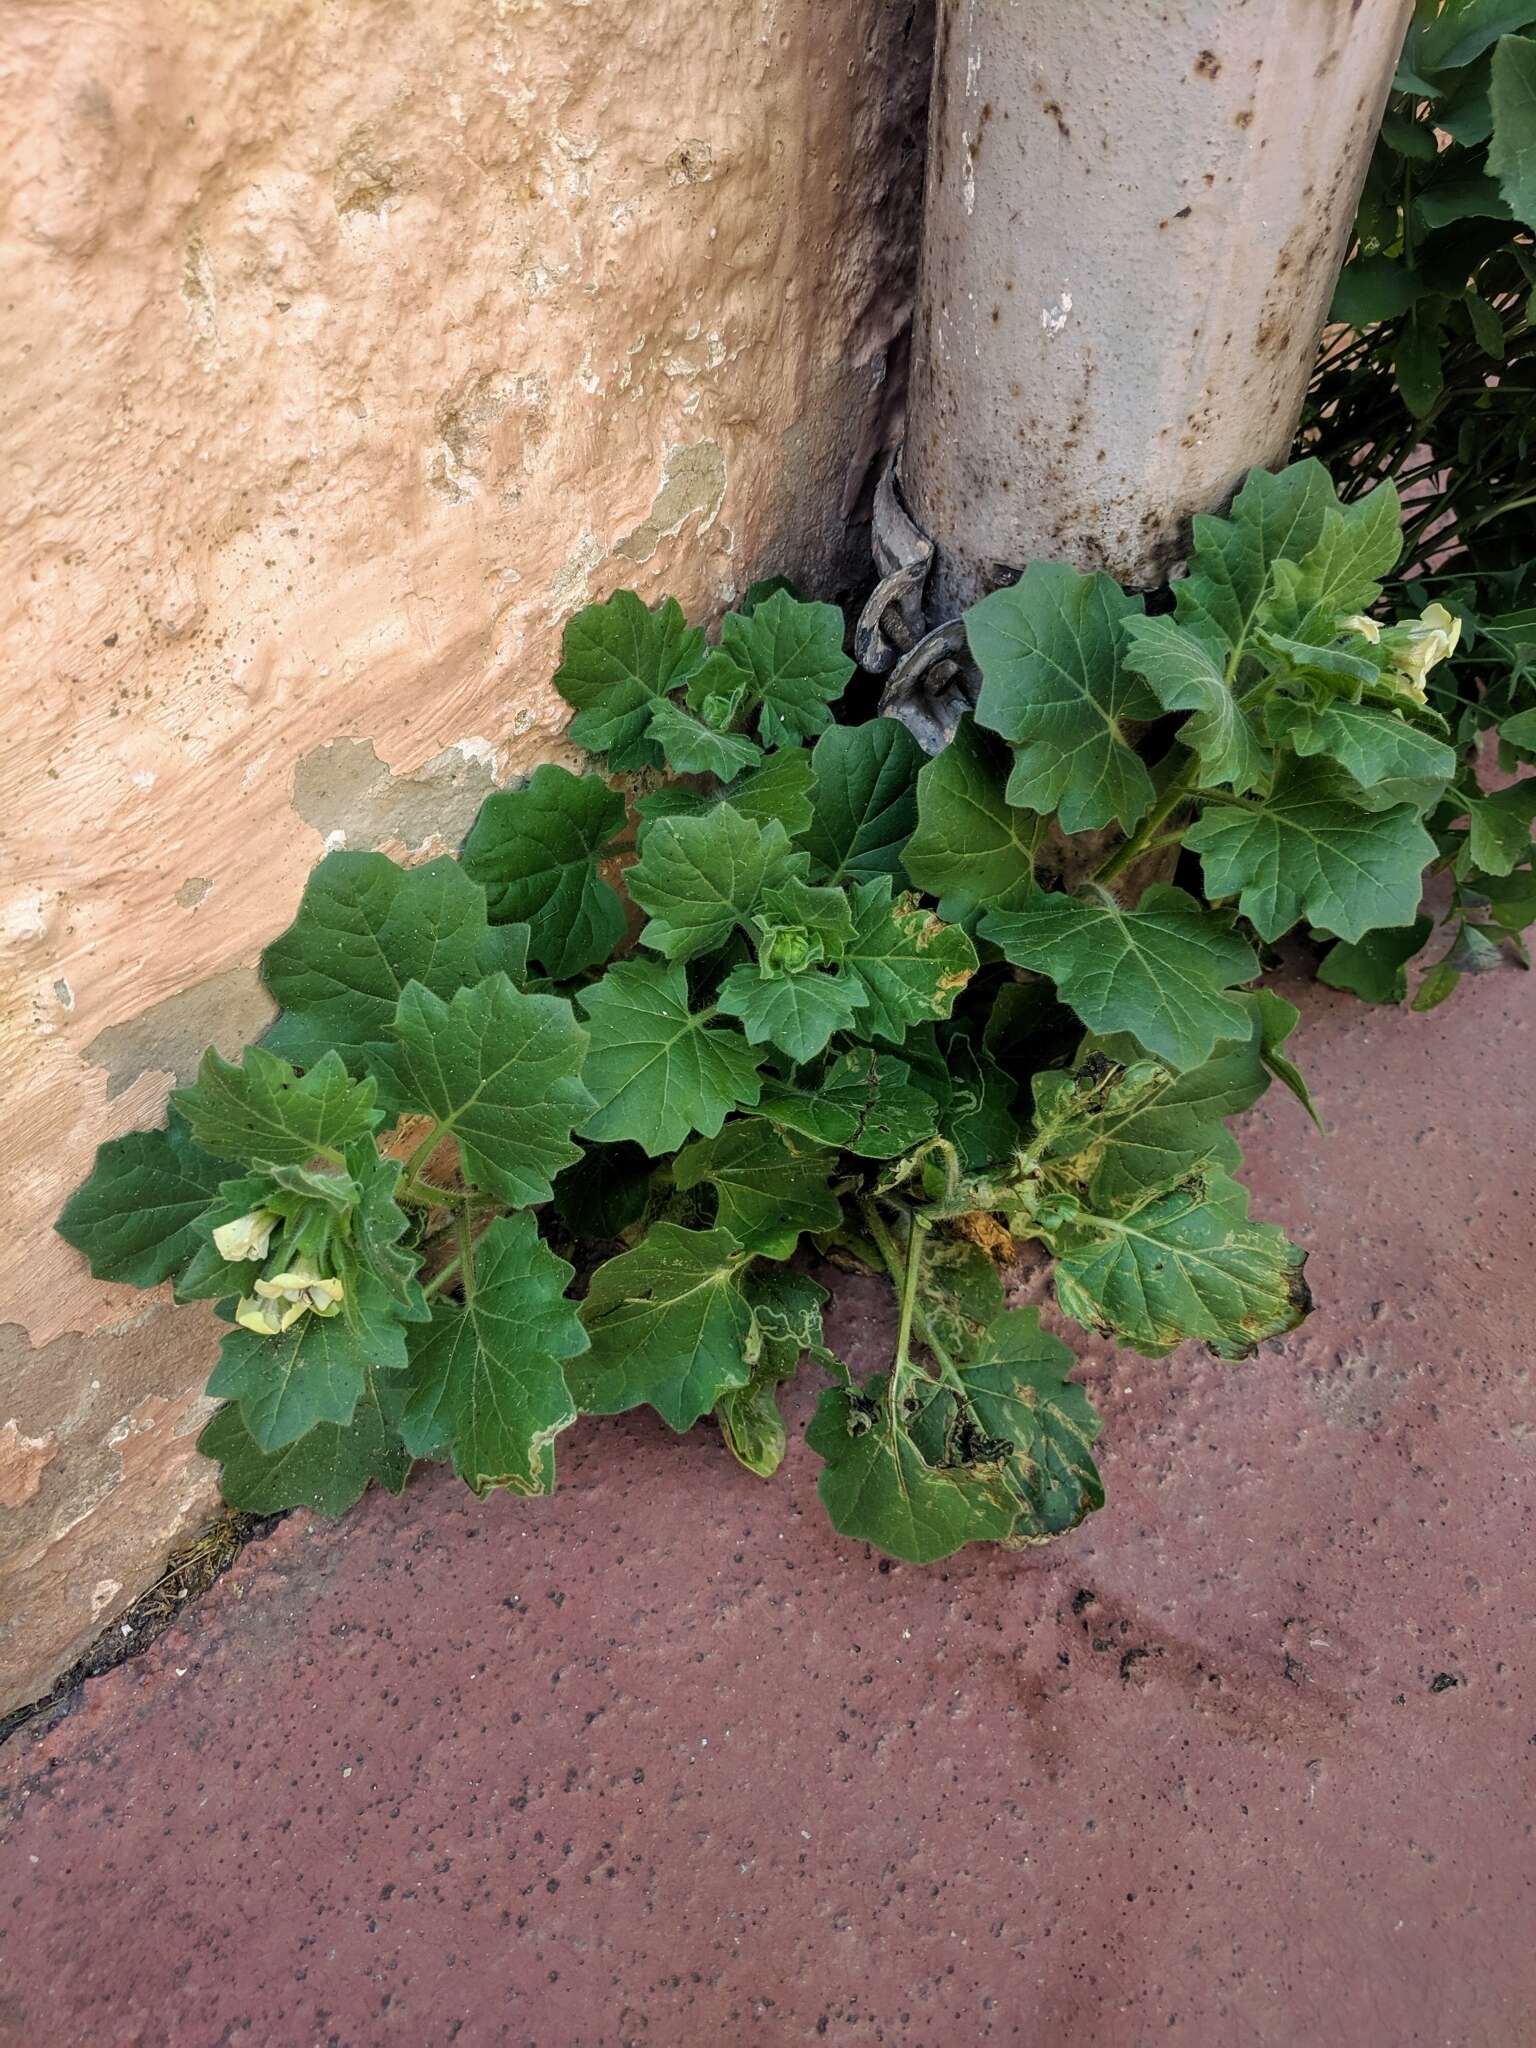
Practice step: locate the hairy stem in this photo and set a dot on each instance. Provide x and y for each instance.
(1151, 827)
(466, 1253)
(423, 1153)
(429, 1196)
(897, 1266)
(911, 1274)
(440, 1279)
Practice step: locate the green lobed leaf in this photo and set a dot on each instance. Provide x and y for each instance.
(779, 790)
(658, 1072)
(327, 1469)
(1054, 683)
(1374, 288)
(536, 852)
(798, 1012)
(136, 1218)
(1356, 549)
(486, 1378)
(1440, 983)
(1310, 851)
(1389, 761)
(878, 1488)
(769, 1188)
(693, 747)
(669, 1326)
(962, 1293)
(1187, 670)
(1179, 1264)
(1499, 827)
(618, 662)
(1417, 360)
(786, 1323)
(1512, 149)
(264, 1114)
(790, 654)
(864, 800)
(973, 1093)
(971, 848)
(1018, 1393)
(379, 1223)
(1520, 730)
(1163, 971)
(1127, 1125)
(501, 1073)
(700, 878)
(1277, 1020)
(1231, 568)
(908, 965)
(1375, 967)
(863, 1103)
(313, 1372)
(364, 929)
(1450, 37)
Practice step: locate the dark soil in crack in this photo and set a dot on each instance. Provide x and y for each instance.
(191, 1567)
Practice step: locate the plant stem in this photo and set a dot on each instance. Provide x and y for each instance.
(902, 1272)
(431, 1196)
(1141, 839)
(466, 1253)
(911, 1274)
(440, 1279)
(423, 1153)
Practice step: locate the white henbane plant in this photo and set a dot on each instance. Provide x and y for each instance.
(857, 1020)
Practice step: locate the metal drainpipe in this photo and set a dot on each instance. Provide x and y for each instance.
(1136, 211)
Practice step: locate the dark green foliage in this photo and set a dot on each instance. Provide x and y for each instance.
(857, 1021)
(1429, 381)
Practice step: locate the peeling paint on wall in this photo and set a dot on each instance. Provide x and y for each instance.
(170, 1037)
(351, 799)
(692, 485)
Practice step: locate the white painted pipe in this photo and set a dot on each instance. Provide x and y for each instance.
(1136, 212)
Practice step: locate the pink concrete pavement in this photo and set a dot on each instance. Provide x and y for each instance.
(1249, 1759)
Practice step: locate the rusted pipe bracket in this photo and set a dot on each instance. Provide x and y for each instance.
(931, 685)
(891, 623)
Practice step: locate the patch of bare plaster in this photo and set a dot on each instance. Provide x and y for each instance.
(573, 579)
(22, 1459)
(345, 791)
(692, 482)
(465, 421)
(227, 1010)
(691, 163)
(192, 891)
(364, 179)
(199, 287)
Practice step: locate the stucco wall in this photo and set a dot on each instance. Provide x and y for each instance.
(351, 345)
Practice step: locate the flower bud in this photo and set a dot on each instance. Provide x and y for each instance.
(247, 1237)
(1367, 628)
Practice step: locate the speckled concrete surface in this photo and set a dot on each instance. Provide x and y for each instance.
(1249, 1758)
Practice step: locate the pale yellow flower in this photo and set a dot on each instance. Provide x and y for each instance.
(268, 1318)
(1415, 646)
(247, 1237)
(304, 1285)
